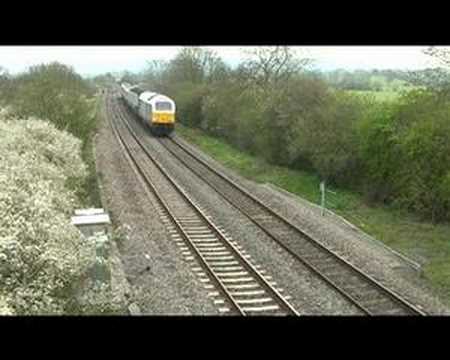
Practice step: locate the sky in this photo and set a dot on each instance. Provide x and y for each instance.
(94, 60)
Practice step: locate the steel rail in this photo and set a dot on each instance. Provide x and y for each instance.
(392, 295)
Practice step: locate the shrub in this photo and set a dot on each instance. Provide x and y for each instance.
(42, 255)
(57, 93)
(189, 98)
(406, 152)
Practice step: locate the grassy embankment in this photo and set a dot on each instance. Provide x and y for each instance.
(422, 241)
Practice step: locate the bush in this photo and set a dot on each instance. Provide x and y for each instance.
(189, 99)
(57, 93)
(233, 114)
(42, 256)
(406, 152)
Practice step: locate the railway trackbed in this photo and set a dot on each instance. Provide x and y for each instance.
(363, 291)
(360, 289)
(238, 285)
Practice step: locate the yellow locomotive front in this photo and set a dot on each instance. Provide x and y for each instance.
(163, 115)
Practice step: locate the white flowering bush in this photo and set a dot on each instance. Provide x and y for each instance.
(42, 255)
(99, 299)
(4, 308)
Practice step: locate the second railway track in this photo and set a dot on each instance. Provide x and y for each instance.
(366, 293)
(363, 291)
(239, 285)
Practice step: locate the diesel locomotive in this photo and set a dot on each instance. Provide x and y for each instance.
(155, 110)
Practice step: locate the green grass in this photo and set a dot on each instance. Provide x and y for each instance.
(422, 241)
(378, 95)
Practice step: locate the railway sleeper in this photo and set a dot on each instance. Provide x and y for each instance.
(227, 268)
(232, 274)
(259, 309)
(238, 280)
(218, 258)
(254, 301)
(208, 247)
(247, 293)
(214, 252)
(215, 263)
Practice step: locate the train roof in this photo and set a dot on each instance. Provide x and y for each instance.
(147, 96)
(150, 97)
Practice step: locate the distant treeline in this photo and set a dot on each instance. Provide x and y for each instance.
(385, 80)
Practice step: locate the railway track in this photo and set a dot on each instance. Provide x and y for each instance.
(238, 285)
(363, 291)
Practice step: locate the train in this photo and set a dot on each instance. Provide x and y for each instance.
(155, 110)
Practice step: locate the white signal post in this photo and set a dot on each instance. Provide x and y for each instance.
(322, 190)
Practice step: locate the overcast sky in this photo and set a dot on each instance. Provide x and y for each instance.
(92, 60)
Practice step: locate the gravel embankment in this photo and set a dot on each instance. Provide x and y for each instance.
(161, 281)
(354, 245)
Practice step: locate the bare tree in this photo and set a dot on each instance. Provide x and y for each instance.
(196, 65)
(151, 77)
(436, 77)
(441, 54)
(268, 65)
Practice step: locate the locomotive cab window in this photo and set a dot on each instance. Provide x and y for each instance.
(163, 106)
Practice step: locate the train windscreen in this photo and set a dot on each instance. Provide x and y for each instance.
(163, 106)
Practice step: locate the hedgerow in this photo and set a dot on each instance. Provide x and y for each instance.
(42, 256)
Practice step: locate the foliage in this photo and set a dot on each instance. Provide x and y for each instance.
(57, 93)
(327, 136)
(41, 254)
(406, 151)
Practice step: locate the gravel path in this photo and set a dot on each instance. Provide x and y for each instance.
(161, 282)
(353, 244)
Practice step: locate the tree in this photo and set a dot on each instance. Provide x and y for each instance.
(151, 77)
(438, 77)
(441, 54)
(57, 93)
(5, 85)
(270, 65)
(195, 65)
(128, 77)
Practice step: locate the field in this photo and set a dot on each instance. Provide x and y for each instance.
(423, 242)
(378, 95)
